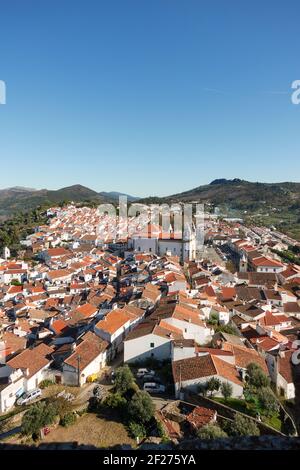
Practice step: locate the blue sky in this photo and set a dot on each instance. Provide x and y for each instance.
(148, 96)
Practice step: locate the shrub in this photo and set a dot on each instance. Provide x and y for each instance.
(115, 401)
(60, 404)
(141, 406)
(124, 379)
(68, 419)
(256, 376)
(226, 390)
(213, 384)
(211, 431)
(39, 415)
(136, 430)
(243, 426)
(268, 402)
(46, 383)
(160, 429)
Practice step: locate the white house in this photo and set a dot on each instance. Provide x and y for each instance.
(283, 372)
(263, 264)
(22, 373)
(11, 387)
(150, 340)
(114, 327)
(88, 358)
(188, 320)
(189, 374)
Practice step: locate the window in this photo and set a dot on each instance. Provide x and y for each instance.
(151, 345)
(150, 249)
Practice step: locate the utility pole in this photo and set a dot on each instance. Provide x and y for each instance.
(118, 279)
(78, 369)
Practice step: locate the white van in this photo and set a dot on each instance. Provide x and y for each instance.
(29, 396)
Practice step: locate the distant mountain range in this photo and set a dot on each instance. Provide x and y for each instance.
(20, 198)
(270, 204)
(275, 199)
(244, 195)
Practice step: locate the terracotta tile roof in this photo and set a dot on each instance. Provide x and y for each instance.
(228, 293)
(188, 314)
(201, 416)
(88, 350)
(271, 319)
(292, 307)
(15, 289)
(226, 370)
(167, 326)
(58, 273)
(244, 356)
(59, 326)
(13, 343)
(56, 252)
(263, 261)
(32, 359)
(140, 330)
(87, 310)
(285, 366)
(114, 320)
(265, 343)
(193, 368)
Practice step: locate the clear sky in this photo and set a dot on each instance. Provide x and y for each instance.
(148, 96)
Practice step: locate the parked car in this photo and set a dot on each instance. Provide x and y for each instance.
(142, 372)
(151, 378)
(154, 387)
(27, 397)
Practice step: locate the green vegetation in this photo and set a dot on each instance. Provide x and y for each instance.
(68, 419)
(211, 431)
(289, 256)
(268, 402)
(256, 378)
(115, 401)
(127, 403)
(260, 401)
(46, 412)
(137, 430)
(213, 385)
(243, 426)
(21, 200)
(141, 406)
(124, 379)
(226, 390)
(19, 227)
(39, 415)
(46, 383)
(231, 330)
